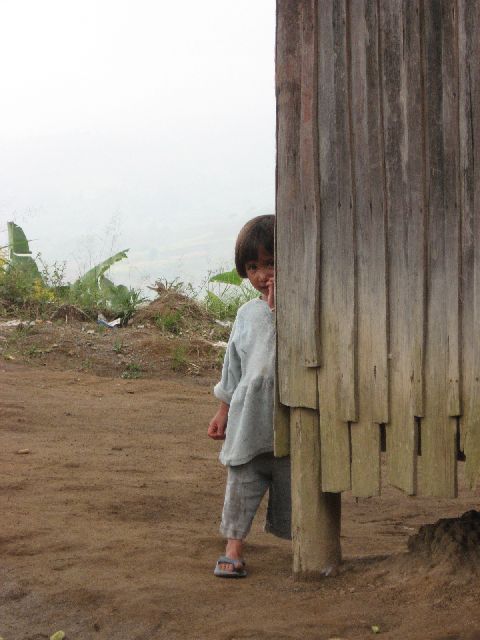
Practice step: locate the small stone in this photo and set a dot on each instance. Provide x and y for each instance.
(23, 451)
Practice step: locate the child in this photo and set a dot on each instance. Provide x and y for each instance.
(245, 416)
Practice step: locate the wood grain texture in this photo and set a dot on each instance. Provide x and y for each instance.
(442, 397)
(370, 239)
(469, 101)
(336, 377)
(404, 163)
(315, 515)
(297, 238)
(281, 423)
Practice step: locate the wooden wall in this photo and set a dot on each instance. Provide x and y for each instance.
(378, 237)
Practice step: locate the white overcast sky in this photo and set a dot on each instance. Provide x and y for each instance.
(141, 124)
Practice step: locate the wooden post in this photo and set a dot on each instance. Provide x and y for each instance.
(315, 515)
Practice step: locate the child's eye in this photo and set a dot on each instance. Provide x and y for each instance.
(251, 267)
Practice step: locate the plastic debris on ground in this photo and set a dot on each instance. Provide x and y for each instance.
(105, 323)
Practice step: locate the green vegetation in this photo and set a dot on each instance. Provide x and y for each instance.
(132, 371)
(118, 346)
(27, 291)
(171, 321)
(31, 289)
(231, 293)
(179, 359)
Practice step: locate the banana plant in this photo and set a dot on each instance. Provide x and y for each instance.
(20, 256)
(91, 290)
(227, 277)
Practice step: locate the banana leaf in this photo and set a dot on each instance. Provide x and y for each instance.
(95, 278)
(228, 277)
(213, 299)
(20, 256)
(94, 285)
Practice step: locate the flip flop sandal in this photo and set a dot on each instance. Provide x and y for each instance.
(236, 572)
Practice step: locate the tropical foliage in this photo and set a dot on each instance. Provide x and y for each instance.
(26, 288)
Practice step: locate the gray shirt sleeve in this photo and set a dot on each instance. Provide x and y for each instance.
(231, 371)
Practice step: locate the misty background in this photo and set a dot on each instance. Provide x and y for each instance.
(140, 124)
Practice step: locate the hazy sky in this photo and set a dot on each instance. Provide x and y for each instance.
(141, 124)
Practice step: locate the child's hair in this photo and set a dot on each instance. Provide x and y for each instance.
(258, 232)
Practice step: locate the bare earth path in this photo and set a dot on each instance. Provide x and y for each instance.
(109, 529)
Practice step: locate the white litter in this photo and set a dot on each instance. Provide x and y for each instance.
(17, 323)
(224, 323)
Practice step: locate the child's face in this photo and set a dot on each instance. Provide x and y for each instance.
(261, 272)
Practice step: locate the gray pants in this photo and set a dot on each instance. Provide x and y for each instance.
(246, 485)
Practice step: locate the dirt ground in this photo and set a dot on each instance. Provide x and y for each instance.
(111, 494)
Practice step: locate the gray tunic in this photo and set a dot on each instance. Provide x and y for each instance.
(247, 384)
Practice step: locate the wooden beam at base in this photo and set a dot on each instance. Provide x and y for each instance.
(315, 515)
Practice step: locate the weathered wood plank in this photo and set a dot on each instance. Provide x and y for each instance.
(315, 515)
(370, 234)
(336, 378)
(405, 179)
(281, 423)
(442, 398)
(469, 100)
(297, 221)
(309, 184)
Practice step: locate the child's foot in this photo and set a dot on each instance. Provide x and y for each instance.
(232, 562)
(228, 568)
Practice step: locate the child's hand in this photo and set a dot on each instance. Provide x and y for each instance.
(218, 424)
(271, 293)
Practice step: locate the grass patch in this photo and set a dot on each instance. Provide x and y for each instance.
(118, 346)
(171, 322)
(132, 371)
(179, 358)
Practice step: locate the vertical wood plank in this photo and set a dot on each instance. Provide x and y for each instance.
(442, 397)
(469, 100)
(336, 378)
(403, 131)
(297, 235)
(309, 185)
(315, 515)
(370, 247)
(281, 423)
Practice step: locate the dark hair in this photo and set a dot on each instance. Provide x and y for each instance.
(258, 232)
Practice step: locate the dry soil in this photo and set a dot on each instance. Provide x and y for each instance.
(110, 497)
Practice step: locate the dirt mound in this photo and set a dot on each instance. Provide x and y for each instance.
(175, 313)
(69, 312)
(451, 544)
(171, 302)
